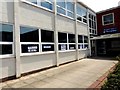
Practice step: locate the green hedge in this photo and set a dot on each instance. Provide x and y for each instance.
(113, 80)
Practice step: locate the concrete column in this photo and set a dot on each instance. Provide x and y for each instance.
(55, 33)
(88, 32)
(76, 33)
(17, 37)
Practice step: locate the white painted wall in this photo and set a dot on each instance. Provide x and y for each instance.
(66, 56)
(34, 16)
(82, 29)
(6, 12)
(36, 62)
(7, 67)
(65, 25)
(83, 53)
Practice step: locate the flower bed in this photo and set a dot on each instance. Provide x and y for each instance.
(113, 80)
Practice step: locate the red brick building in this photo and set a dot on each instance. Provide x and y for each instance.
(108, 31)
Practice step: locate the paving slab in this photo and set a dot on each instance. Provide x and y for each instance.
(78, 74)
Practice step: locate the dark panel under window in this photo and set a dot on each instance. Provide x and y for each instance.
(85, 46)
(5, 49)
(6, 32)
(62, 46)
(62, 37)
(80, 46)
(71, 38)
(29, 48)
(47, 36)
(29, 34)
(47, 47)
(72, 46)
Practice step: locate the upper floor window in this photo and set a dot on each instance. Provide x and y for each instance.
(44, 3)
(65, 7)
(81, 14)
(6, 39)
(108, 19)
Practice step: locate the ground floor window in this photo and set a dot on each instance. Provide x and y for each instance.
(6, 39)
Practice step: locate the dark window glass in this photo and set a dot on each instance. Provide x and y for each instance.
(80, 39)
(6, 33)
(29, 34)
(90, 23)
(71, 38)
(80, 46)
(46, 5)
(60, 10)
(5, 49)
(84, 20)
(47, 36)
(33, 1)
(86, 46)
(63, 47)
(62, 37)
(85, 39)
(72, 46)
(61, 3)
(90, 30)
(79, 18)
(70, 6)
(47, 47)
(29, 48)
(108, 19)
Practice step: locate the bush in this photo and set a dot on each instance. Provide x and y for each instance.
(113, 80)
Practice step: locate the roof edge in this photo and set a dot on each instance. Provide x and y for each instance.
(108, 9)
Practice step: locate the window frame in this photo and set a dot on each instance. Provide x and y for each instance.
(38, 43)
(29, 43)
(8, 43)
(39, 4)
(92, 18)
(66, 10)
(67, 44)
(77, 15)
(107, 15)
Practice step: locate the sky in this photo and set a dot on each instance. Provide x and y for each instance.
(99, 5)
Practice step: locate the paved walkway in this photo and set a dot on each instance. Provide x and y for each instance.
(79, 74)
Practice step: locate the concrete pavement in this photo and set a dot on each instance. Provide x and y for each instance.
(79, 74)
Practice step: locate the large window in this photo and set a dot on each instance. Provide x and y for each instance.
(6, 39)
(44, 3)
(47, 40)
(82, 42)
(66, 41)
(29, 39)
(92, 24)
(108, 19)
(65, 7)
(81, 14)
(62, 41)
(85, 42)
